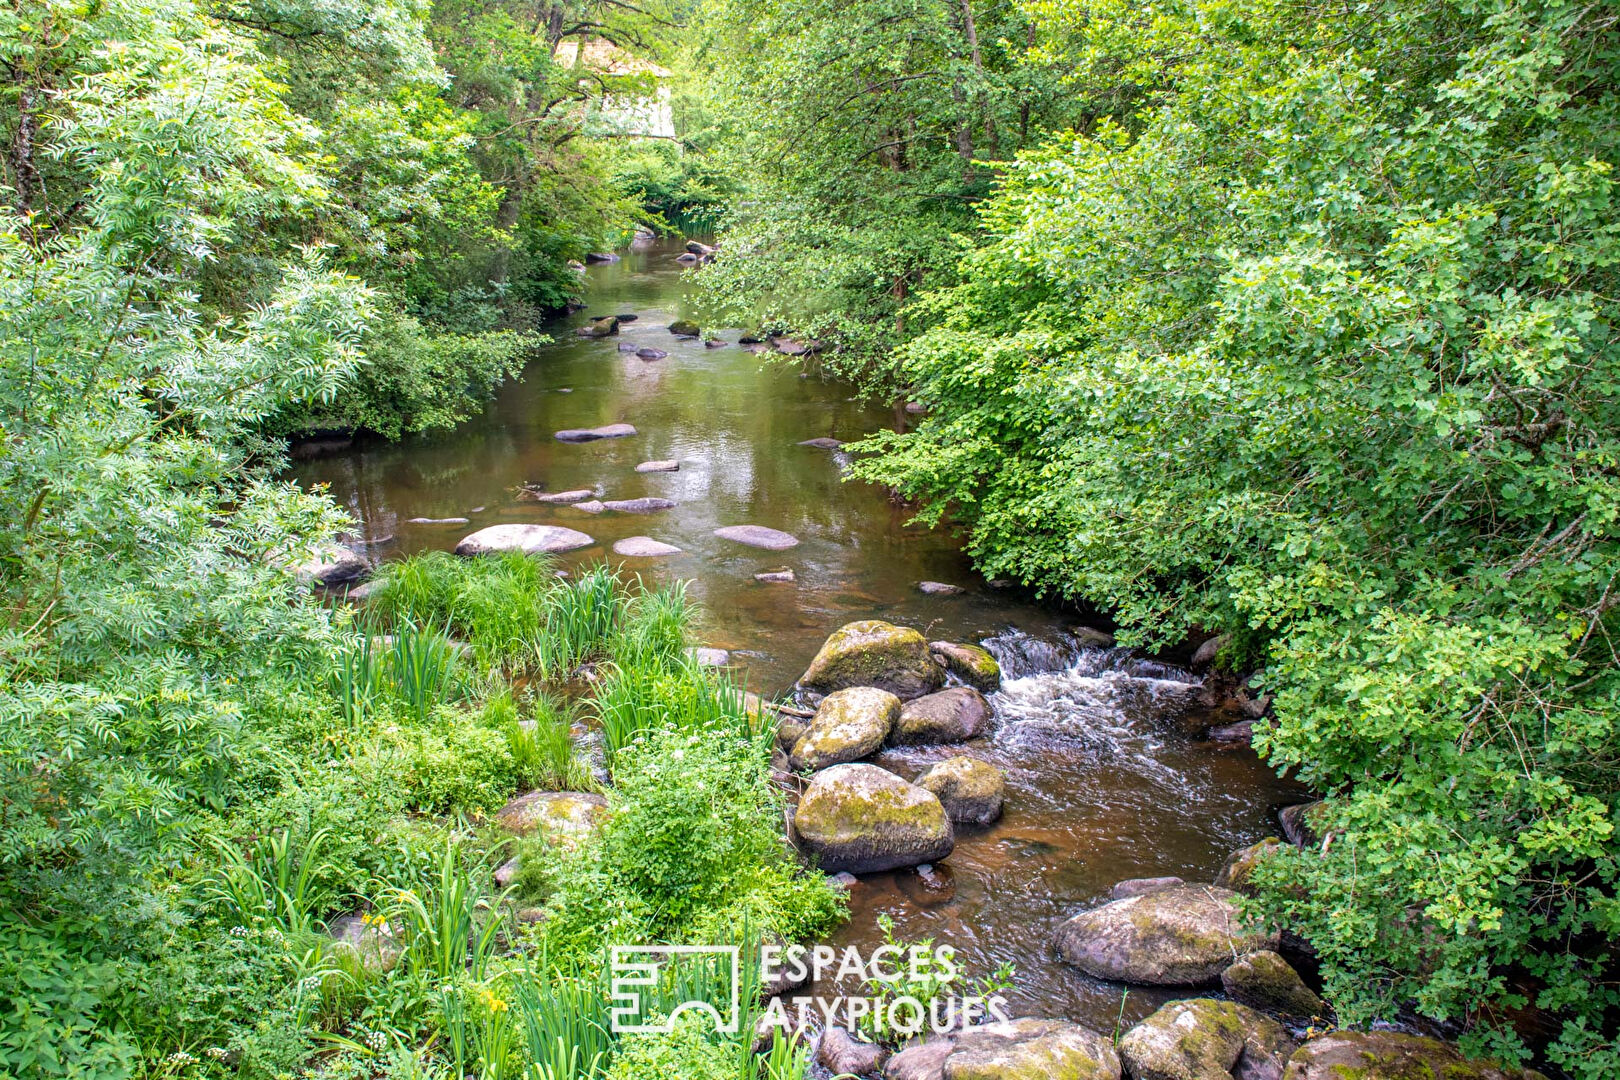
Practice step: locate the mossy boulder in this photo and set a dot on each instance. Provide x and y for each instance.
(863, 819)
(1263, 980)
(971, 791)
(1140, 885)
(684, 328)
(564, 818)
(1241, 863)
(1031, 1049)
(329, 564)
(1204, 1039)
(950, 716)
(1185, 935)
(973, 664)
(1390, 1055)
(848, 725)
(873, 653)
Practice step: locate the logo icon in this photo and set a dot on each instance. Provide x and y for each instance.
(636, 968)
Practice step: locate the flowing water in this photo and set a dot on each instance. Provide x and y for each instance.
(1102, 784)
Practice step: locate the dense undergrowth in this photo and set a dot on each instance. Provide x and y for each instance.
(461, 684)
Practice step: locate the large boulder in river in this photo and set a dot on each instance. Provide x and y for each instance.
(684, 328)
(1263, 980)
(971, 791)
(529, 539)
(1204, 1039)
(563, 817)
(1031, 1049)
(950, 716)
(863, 819)
(1185, 935)
(1390, 1055)
(971, 663)
(849, 725)
(874, 653)
(1302, 823)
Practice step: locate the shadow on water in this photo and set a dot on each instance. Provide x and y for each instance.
(1102, 785)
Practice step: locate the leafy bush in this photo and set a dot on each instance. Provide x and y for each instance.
(692, 851)
(1320, 349)
(417, 379)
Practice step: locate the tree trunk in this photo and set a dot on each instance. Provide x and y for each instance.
(971, 30)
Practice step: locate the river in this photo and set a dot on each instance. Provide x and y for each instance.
(1102, 782)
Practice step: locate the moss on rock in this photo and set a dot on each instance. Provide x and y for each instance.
(850, 724)
(862, 819)
(1185, 935)
(1390, 1055)
(972, 664)
(971, 791)
(874, 653)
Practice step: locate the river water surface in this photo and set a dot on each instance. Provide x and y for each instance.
(1102, 785)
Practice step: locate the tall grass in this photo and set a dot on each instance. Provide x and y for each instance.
(421, 667)
(276, 883)
(580, 618)
(491, 602)
(656, 628)
(359, 678)
(543, 749)
(633, 698)
(565, 1017)
(447, 925)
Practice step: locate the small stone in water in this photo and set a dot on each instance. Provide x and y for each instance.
(628, 346)
(822, 444)
(939, 588)
(606, 431)
(438, 521)
(659, 466)
(651, 354)
(710, 657)
(783, 576)
(558, 497)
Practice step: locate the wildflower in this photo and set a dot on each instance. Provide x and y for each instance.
(217, 1053)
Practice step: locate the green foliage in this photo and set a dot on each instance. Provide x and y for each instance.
(1318, 346)
(859, 135)
(417, 379)
(692, 851)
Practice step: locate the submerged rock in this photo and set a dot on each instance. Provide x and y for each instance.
(1263, 980)
(628, 346)
(1091, 638)
(590, 506)
(863, 819)
(848, 726)
(939, 588)
(758, 536)
(1205, 1039)
(1390, 1055)
(714, 343)
(563, 817)
(1238, 734)
(783, 576)
(643, 547)
(529, 539)
(439, 521)
(874, 653)
(971, 791)
(1141, 886)
(950, 716)
(649, 353)
(659, 466)
(639, 506)
(970, 663)
(1032, 1049)
(606, 431)
(822, 443)
(1185, 935)
(601, 257)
